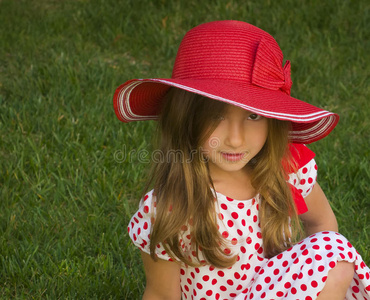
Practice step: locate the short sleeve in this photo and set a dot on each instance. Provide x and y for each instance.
(140, 226)
(303, 180)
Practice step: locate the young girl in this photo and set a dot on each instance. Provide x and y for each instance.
(234, 178)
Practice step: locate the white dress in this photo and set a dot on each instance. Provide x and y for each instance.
(298, 273)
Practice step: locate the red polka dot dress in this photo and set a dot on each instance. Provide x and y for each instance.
(297, 273)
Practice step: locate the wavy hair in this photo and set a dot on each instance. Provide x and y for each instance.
(182, 184)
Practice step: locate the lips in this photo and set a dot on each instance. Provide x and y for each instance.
(233, 156)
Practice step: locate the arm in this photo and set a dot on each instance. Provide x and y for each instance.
(320, 216)
(162, 279)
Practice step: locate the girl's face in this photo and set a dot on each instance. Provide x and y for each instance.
(239, 136)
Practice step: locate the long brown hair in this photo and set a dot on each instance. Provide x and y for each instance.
(182, 182)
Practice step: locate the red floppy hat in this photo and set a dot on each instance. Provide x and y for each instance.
(233, 62)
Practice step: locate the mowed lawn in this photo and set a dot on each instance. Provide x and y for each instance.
(71, 174)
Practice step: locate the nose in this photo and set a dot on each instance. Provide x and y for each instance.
(235, 135)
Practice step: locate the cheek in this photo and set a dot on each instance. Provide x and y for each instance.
(260, 135)
(211, 144)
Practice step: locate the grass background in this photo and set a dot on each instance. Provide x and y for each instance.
(68, 181)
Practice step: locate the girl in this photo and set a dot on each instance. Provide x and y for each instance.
(235, 179)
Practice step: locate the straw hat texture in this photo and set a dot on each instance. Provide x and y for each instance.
(234, 62)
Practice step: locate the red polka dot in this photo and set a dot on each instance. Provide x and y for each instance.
(330, 254)
(258, 287)
(224, 206)
(235, 215)
(328, 247)
(304, 170)
(314, 284)
(280, 294)
(225, 234)
(223, 288)
(209, 293)
(321, 268)
(268, 279)
(287, 285)
(221, 273)
(304, 287)
(240, 205)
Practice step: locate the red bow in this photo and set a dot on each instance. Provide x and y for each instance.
(268, 71)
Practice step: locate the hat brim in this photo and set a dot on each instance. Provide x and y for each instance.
(140, 99)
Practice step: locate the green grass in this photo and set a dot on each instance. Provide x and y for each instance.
(67, 191)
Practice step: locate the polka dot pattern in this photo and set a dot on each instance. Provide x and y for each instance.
(298, 273)
(304, 269)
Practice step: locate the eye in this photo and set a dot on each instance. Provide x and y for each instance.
(254, 117)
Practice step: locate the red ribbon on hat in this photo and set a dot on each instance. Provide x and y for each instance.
(267, 69)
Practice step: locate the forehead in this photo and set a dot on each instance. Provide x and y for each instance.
(236, 110)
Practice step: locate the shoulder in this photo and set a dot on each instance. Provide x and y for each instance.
(302, 174)
(140, 226)
(301, 154)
